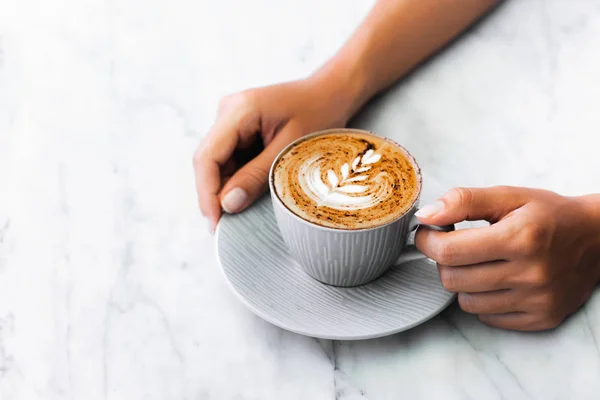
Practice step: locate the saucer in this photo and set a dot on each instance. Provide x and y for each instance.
(263, 275)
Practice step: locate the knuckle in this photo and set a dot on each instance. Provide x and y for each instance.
(444, 253)
(538, 275)
(469, 304)
(532, 239)
(225, 101)
(509, 235)
(460, 195)
(487, 319)
(198, 158)
(549, 302)
(550, 321)
(448, 278)
(235, 100)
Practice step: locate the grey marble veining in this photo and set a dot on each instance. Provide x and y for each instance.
(109, 285)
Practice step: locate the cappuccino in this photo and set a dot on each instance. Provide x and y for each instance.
(346, 179)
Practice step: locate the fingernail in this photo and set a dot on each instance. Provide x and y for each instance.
(430, 210)
(212, 225)
(234, 200)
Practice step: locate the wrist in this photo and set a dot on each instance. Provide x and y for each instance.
(590, 204)
(345, 85)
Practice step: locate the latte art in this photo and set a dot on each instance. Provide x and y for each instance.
(349, 188)
(346, 179)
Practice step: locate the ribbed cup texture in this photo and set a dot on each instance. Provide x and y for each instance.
(342, 257)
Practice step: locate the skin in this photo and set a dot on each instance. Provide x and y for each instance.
(536, 263)
(394, 38)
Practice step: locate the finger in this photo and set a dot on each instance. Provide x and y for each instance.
(214, 152)
(207, 179)
(251, 181)
(496, 302)
(229, 168)
(225, 179)
(466, 246)
(472, 204)
(485, 277)
(518, 321)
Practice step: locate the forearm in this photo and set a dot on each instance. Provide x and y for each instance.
(394, 38)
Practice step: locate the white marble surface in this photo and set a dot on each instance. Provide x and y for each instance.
(109, 284)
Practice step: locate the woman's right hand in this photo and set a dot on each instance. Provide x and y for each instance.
(233, 160)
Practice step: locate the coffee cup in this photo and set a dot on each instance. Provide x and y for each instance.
(359, 252)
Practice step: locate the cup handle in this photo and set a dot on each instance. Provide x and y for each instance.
(411, 252)
(415, 223)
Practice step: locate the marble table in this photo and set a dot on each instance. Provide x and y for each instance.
(109, 283)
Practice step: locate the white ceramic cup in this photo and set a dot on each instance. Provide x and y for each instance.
(346, 257)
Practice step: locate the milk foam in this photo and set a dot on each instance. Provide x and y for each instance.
(347, 179)
(342, 190)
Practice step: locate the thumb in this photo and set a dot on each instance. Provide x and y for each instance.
(252, 180)
(472, 204)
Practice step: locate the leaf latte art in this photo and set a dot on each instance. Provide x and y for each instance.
(346, 180)
(349, 188)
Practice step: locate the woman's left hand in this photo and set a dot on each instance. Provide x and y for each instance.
(537, 262)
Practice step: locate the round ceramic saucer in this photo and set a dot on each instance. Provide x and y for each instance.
(264, 276)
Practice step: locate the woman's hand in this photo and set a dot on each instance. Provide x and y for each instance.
(537, 262)
(232, 170)
(233, 161)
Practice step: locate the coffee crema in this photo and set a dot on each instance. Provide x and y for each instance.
(346, 180)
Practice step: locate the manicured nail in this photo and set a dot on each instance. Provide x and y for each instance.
(430, 210)
(234, 200)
